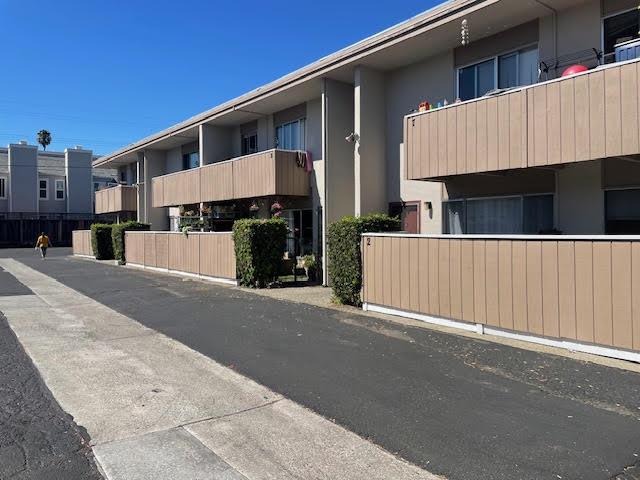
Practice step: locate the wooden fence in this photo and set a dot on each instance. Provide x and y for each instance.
(81, 242)
(208, 254)
(579, 289)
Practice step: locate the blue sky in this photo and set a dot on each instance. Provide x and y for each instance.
(105, 73)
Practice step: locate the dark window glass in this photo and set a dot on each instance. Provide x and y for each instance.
(191, 160)
(486, 77)
(249, 144)
(467, 83)
(508, 71)
(620, 28)
(622, 211)
(537, 214)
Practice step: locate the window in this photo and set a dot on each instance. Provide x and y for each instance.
(59, 189)
(3, 187)
(190, 160)
(300, 236)
(514, 69)
(249, 144)
(291, 136)
(43, 189)
(622, 211)
(619, 28)
(528, 214)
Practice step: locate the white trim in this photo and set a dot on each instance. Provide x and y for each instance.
(607, 238)
(40, 188)
(3, 180)
(525, 337)
(64, 189)
(226, 281)
(370, 307)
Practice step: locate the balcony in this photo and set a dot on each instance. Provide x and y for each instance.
(584, 117)
(273, 172)
(122, 198)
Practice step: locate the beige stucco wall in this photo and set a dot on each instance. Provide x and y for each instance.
(215, 144)
(580, 198)
(155, 162)
(433, 80)
(369, 149)
(338, 153)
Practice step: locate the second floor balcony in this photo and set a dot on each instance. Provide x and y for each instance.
(121, 198)
(272, 172)
(587, 116)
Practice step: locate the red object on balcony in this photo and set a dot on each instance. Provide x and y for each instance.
(573, 69)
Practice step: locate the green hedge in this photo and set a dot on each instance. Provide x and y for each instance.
(101, 241)
(117, 236)
(259, 247)
(345, 260)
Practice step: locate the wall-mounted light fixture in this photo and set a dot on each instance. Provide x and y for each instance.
(352, 137)
(428, 206)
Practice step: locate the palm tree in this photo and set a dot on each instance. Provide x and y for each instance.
(44, 138)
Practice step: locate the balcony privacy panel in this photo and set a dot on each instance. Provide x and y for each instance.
(583, 117)
(582, 290)
(274, 172)
(121, 198)
(207, 254)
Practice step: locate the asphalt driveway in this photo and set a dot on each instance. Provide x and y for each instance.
(463, 408)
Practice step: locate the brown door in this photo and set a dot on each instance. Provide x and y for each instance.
(409, 213)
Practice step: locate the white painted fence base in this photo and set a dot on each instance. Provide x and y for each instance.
(226, 281)
(488, 330)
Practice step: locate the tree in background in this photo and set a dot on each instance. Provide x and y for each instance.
(44, 138)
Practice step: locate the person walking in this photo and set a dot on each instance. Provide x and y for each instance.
(43, 243)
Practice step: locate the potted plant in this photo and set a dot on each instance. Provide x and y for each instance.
(310, 267)
(276, 210)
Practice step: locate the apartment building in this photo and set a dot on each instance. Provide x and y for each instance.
(41, 190)
(513, 149)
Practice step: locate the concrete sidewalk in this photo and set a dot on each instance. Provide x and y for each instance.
(155, 409)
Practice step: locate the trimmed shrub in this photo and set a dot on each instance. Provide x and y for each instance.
(345, 258)
(101, 241)
(117, 237)
(259, 247)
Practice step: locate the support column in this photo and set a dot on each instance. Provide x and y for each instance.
(79, 180)
(139, 182)
(337, 123)
(369, 142)
(155, 163)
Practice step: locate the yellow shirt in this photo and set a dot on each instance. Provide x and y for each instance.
(43, 241)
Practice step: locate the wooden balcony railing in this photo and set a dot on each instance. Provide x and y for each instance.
(583, 117)
(273, 172)
(121, 198)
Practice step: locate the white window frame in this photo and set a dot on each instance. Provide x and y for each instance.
(496, 62)
(56, 190)
(3, 191)
(303, 136)
(46, 180)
